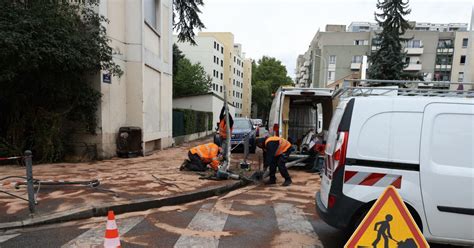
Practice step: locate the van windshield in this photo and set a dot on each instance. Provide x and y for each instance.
(332, 135)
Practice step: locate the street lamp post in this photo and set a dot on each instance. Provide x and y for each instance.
(324, 67)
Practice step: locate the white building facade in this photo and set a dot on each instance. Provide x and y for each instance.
(141, 37)
(223, 60)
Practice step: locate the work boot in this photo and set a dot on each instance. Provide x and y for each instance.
(287, 182)
(270, 182)
(183, 165)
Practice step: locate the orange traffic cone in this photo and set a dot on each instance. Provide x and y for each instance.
(112, 238)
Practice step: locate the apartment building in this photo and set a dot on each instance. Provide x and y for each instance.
(140, 35)
(247, 87)
(224, 61)
(339, 53)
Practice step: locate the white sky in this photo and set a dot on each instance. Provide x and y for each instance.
(284, 28)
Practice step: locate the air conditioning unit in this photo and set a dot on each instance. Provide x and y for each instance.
(129, 142)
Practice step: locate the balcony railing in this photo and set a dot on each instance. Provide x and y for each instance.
(442, 67)
(355, 65)
(414, 50)
(445, 50)
(413, 67)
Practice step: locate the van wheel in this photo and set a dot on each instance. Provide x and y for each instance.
(356, 220)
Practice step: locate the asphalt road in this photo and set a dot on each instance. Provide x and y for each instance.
(255, 216)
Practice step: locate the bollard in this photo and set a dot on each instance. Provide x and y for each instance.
(29, 180)
(246, 147)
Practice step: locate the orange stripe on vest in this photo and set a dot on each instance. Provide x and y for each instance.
(283, 146)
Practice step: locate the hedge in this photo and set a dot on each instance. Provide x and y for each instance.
(187, 121)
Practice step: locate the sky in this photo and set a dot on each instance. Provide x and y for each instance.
(284, 28)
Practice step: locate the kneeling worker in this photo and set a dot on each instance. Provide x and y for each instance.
(276, 151)
(201, 156)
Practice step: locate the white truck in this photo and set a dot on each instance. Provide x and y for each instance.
(298, 113)
(419, 141)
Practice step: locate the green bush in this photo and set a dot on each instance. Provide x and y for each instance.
(186, 121)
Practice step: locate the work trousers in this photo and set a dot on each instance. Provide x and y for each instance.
(195, 163)
(280, 162)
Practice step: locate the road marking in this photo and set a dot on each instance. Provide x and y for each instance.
(207, 219)
(95, 236)
(8, 236)
(292, 220)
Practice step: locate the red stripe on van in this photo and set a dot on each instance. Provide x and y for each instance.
(348, 175)
(397, 183)
(372, 179)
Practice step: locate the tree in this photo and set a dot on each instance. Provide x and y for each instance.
(177, 56)
(186, 19)
(49, 51)
(388, 61)
(267, 76)
(188, 78)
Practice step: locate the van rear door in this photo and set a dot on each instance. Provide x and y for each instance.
(333, 144)
(447, 169)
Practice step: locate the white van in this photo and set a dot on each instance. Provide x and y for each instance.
(424, 146)
(295, 112)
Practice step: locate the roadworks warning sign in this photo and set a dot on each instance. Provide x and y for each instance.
(388, 224)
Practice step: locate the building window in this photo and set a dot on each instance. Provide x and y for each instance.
(357, 59)
(234, 70)
(464, 42)
(361, 42)
(233, 93)
(463, 59)
(217, 60)
(461, 77)
(222, 50)
(332, 59)
(414, 44)
(214, 59)
(215, 45)
(152, 11)
(331, 76)
(221, 89)
(234, 59)
(222, 63)
(221, 75)
(445, 44)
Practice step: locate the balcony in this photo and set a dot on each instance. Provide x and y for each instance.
(414, 50)
(442, 67)
(355, 66)
(413, 67)
(445, 50)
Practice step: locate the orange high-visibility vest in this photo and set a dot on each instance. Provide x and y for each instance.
(208, 154)
(222, 129)
(283, 146)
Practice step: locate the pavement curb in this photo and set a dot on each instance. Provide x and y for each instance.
(120, 208)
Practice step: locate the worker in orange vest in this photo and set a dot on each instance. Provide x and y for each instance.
(223, 128)
(201, 156)
(276, 151)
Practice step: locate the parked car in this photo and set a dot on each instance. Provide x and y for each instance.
(243, 127)
(423, 146)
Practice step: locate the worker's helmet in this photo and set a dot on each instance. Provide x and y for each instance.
(260, 142)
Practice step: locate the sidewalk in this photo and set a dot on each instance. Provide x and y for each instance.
(132, 179)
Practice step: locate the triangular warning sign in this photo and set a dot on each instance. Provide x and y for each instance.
(388, 224)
